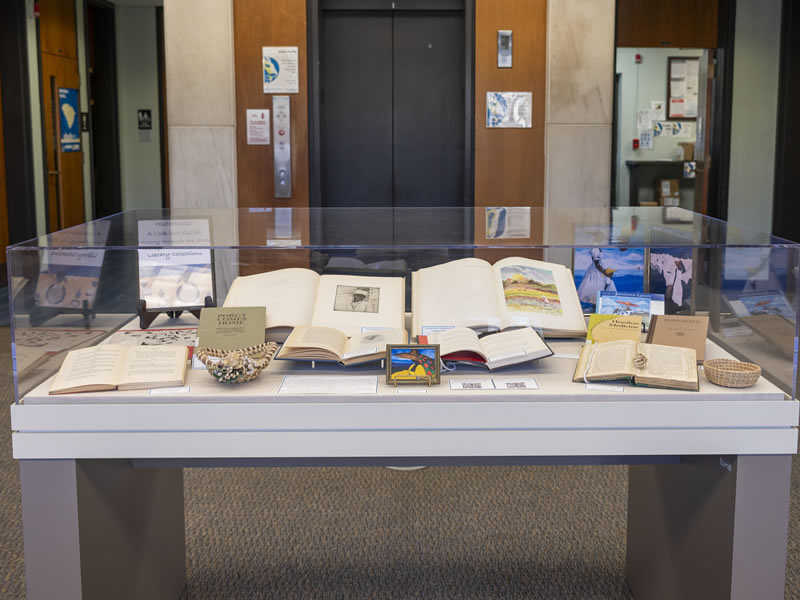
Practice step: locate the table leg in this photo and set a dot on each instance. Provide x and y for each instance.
(100, 529)
(709, 528)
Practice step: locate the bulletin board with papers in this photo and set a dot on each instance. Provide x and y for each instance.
(682, 87)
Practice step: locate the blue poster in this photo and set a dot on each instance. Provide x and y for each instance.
(68, 115)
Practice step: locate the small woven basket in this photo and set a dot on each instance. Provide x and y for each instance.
(236, 366)
(731, 373)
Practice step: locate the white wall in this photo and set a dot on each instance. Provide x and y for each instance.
(755, 113)
(639, 84)
(137, 88)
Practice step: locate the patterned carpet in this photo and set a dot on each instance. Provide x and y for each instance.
(466, 532)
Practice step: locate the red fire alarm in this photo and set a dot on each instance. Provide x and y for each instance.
(637, 59)
(636, 144)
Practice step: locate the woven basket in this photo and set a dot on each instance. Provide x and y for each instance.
(236, 366)
(731, 373)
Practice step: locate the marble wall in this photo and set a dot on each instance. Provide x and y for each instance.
(580, 96)
(201, 118)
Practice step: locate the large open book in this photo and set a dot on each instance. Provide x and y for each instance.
(300, 297)
(645, 364)
(514, 292)
(113, 366)
(324, 343)
(496, 350)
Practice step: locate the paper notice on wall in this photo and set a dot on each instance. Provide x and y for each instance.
(662, 129)
(682, 129)
(279, 66)
(677, 107)
(646, 139)
(678, 69)
(257, 127)
(509, 110)
(658, 110)
(644, 120)
(508, 222)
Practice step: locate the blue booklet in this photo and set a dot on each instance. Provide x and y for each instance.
(630, 303)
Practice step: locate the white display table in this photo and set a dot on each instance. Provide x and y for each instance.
(708, 495)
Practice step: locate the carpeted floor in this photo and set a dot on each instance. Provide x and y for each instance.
(478, 532)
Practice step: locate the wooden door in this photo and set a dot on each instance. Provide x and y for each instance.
(59, 71)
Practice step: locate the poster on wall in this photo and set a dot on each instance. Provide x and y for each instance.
(509, 110)
(68, 119)
(279, 66)
(682, 86)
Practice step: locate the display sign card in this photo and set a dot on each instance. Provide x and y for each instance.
(175, 272)
(322, 385)
(515, 383)
(462, 383)
(232, 328)
(280, 69)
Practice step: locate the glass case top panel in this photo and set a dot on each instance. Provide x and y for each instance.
(428, 227)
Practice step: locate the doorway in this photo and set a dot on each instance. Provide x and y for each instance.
(391, 113)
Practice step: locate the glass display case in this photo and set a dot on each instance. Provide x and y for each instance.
(142, 277)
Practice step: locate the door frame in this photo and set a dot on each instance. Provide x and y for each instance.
(314, 10)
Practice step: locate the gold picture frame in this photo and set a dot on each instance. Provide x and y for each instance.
(409, 364)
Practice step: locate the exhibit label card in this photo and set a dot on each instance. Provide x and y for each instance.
(462, 383)
(232, 328)
(280, 70)
(257, 127)
(314, 384)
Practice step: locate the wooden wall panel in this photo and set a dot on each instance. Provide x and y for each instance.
(509, 163)
(258, 23)
(667, 23)
(57, 27)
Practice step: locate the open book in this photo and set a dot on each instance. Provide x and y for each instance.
(495, 350)
(324, 343)
(113, 366)
(301, 297)
(645, 364)
(514, 292)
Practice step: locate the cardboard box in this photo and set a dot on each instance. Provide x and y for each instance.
(667, 192)
(687, 152)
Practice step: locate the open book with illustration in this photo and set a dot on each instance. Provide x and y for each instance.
(494, 350)
(644, 364)
(113, 366)
(301, 297)
(514, 292)
(327, 344)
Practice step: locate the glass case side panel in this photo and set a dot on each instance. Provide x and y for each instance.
(751, 296)
(63, 299)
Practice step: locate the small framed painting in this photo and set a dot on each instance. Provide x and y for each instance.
(412, 364)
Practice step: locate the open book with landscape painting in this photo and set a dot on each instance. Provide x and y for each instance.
(514, 292)
(112, 366)
(651, 365)
(494, 350)
(302, 298)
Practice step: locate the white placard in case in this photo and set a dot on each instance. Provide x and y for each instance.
(279, 68)
(461, 383)
(315, 384)
(515, 383)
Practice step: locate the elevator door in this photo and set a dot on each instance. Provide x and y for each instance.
(392, 124)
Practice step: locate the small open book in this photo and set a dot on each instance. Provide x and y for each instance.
(644, 364)
(495, 350)
(113, 366)
(326, 343)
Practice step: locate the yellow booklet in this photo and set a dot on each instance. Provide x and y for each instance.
(608, 328)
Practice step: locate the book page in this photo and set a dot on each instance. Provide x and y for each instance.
(459, 293)
(352, 303)
(372, 342)
(612, 359)
(97, 365)
(324, 338)
(153, 366)
(669, 362)
(458, 339)
(287, 294)
(517, 342)
(537, 294)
